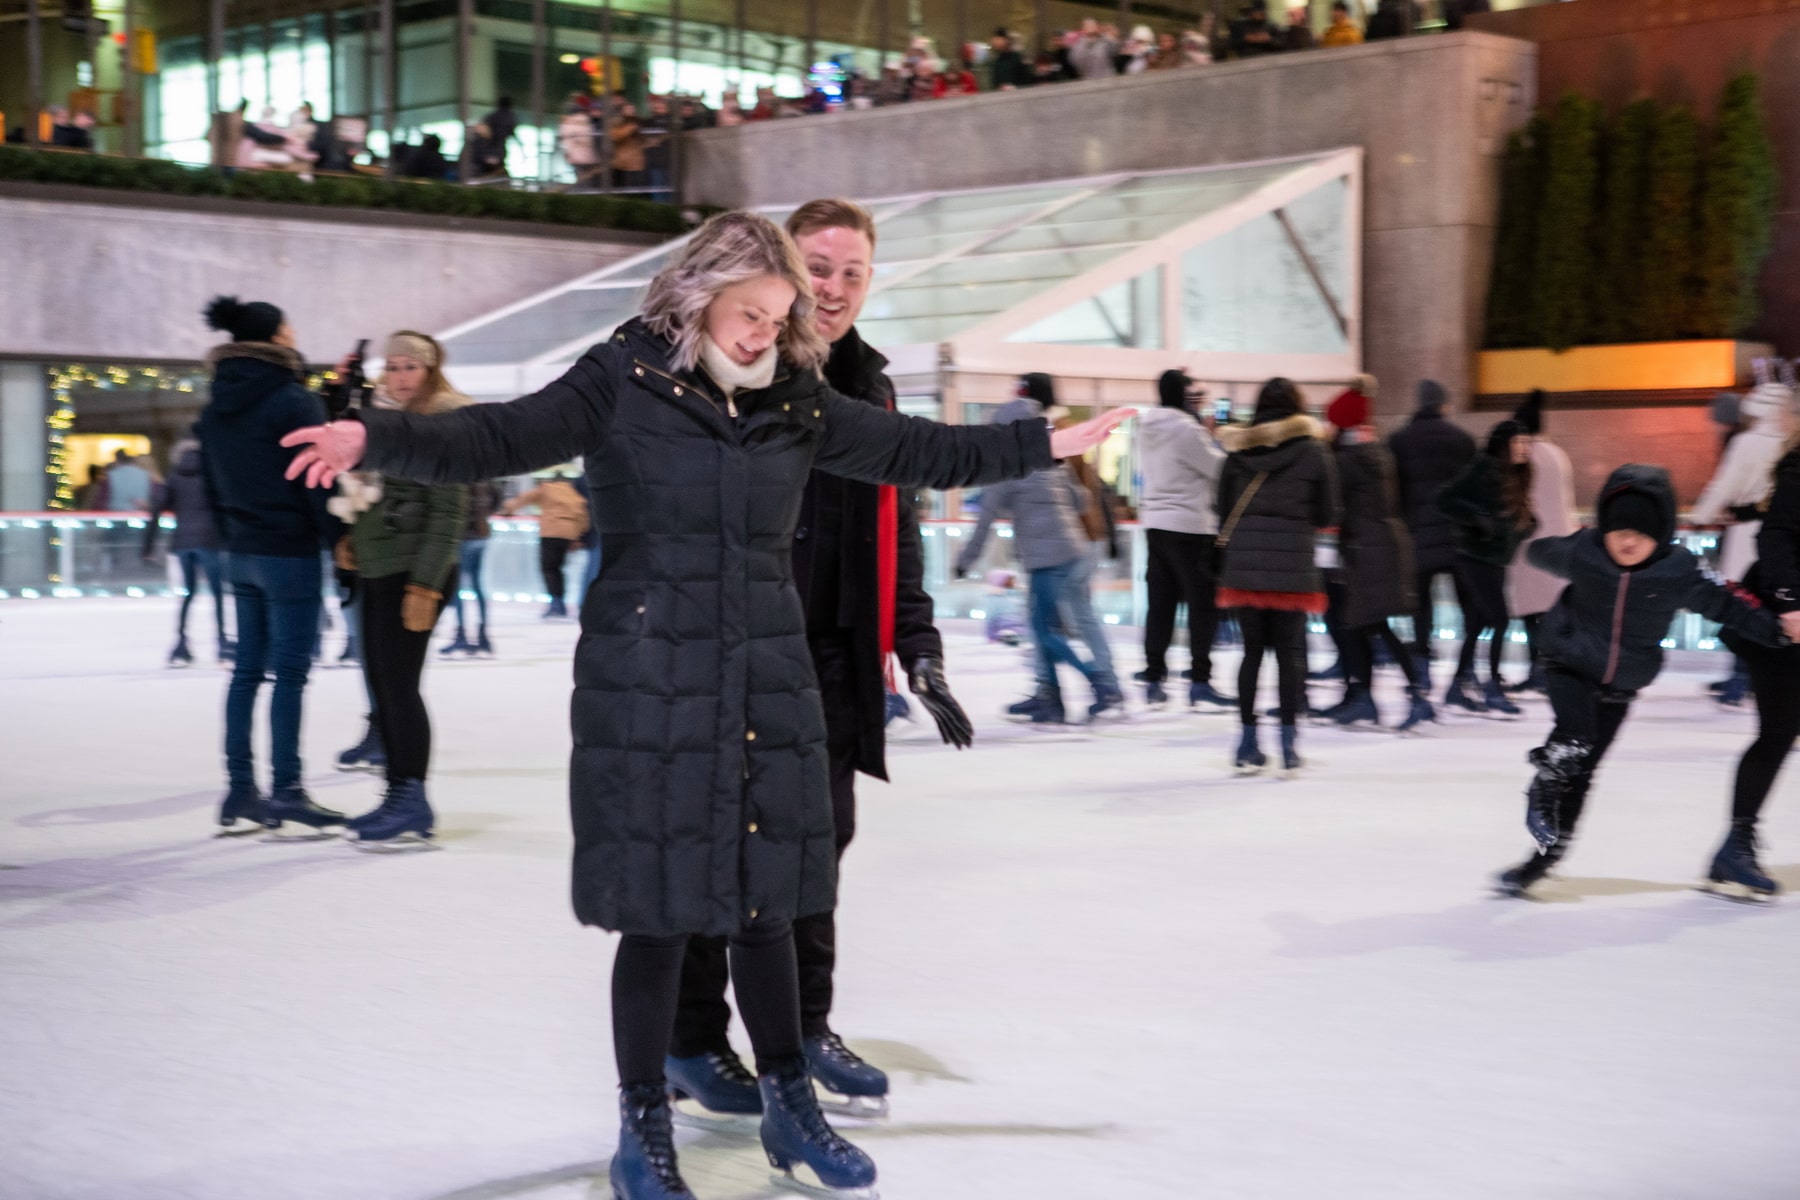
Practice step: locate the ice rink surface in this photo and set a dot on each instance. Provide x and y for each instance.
(1096, 965)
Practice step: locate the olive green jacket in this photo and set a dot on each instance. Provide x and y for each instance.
(415, 529)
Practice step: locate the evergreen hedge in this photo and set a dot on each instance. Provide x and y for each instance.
(340, 191)
(1620, 235)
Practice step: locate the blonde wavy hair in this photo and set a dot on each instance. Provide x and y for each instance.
(729, 249)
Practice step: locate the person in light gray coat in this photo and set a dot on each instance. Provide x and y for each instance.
(1180, 460)
(1049, 542)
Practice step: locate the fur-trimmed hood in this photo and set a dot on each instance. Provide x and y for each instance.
(246, 373)
(268, 352)
(1238, 438)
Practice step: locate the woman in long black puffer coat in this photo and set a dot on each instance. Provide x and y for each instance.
(698, 784)
(1376, 555)
(1276, 492)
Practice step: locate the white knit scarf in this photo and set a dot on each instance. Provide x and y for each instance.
(730, 375)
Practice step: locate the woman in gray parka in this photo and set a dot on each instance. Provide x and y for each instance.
(698, 784)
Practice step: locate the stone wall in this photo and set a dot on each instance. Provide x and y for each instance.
(1432, 113)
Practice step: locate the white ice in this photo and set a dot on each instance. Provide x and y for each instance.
(1096, 965)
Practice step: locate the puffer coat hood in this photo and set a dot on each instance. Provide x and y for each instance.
(698, 785)
(1271, 543)
(1610, 621)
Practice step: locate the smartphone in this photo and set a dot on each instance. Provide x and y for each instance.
(1222, 411)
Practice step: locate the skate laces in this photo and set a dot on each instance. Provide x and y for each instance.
(797, 1097)
(656, 1133)
(833, 1047)
(732, 1068)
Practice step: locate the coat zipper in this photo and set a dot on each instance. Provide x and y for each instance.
(730, 404)
(1618, 628)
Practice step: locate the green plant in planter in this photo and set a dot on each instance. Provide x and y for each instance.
(1564, 289)
(1512, 288)
(1737, 208)
(1625, 189)
(1665, 304)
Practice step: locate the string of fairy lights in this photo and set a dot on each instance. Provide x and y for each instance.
(65, 381)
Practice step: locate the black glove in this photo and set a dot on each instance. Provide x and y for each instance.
(927, 683)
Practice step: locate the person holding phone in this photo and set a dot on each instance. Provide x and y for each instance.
(1181, 460)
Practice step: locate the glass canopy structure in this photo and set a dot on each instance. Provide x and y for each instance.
(1235, 273)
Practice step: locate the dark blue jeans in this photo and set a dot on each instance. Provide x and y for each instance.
(278, 602)
(469, 560)
(194, 563)
(1047, 587)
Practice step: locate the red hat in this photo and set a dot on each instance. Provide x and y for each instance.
(1349, 410)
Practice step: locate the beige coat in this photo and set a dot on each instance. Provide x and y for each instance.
(564, 512)
(1530, 591)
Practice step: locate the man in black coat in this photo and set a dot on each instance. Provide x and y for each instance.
(1429, 453)
(859, 566)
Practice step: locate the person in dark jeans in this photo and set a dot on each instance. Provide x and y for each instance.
(273, 530)
(195, 545)
(1276, 492)
(1180, 460)
(405, 549)
(484, 499)
(860, 567)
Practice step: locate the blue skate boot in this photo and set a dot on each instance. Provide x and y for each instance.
(460, 645)
(1156, 695)
(1358, 708)
(1024, 709)
(1735, 874)
(1291, 762)
(853, 1088)
(368, 754)
(1203, 697)
(713, 1091)
(1458, 699)
(1109, 701)
(808, 1152)
(404, 819)
(1250, 759)
(1497, 702)
(1420, 711)
(243, 803)
(293, 804)
(644, 1167)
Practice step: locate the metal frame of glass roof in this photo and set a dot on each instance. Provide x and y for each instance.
(1235, 272)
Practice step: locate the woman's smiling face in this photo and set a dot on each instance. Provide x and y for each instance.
(746, 318)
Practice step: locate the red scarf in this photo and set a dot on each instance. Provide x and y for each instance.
(887, 567)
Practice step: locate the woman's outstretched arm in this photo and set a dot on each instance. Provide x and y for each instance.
(870, 444)
(482, 441)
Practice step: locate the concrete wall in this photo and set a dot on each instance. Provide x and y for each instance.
(1432, 114)
(92, 275)
(1618, 51)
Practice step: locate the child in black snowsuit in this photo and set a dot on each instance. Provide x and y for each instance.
(1603, 643)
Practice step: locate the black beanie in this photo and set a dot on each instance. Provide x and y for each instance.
(1530, 415)
(1172, 388)
(1278, 400)
(1431, 397)
(252, 322)
(1632, 509)
(1039, 387)
(1499, 443)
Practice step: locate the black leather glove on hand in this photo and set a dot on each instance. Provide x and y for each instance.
(927, 683)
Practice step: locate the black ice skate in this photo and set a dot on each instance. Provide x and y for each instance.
(1516, 881)
(403, 822)
(713, 1091)
(1250, 759)
(1497, 703)
(366, 755)
(810, 1155)
(852, 1087)
(1735, 873)
(291, 805)
(242, 803)
(1356, 710)
(1458, 699)
(644, 1167)
(1419, 711)
(1156, 696)
(1291, 762)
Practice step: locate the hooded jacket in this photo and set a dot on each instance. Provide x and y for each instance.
(1428, 453)
(1745, 475)
(184, 494)
(1180, 462)
(1045, 508)
(415, 529)
(1610, 621)
(257, 399)
(1271, 546)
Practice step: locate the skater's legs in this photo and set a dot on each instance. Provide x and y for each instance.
(1484, 611)
(646, 982)
(469, 563)
(552, 553)
(396, 661)
(1423, 619)
(190, 579)
(1047, 585)
(1358, 654)
(702, 1015)
(815, 936)
(1200, 591)
(767, 984)
(1163, 583)
(1533, 623)
(1254, 624)
(1775, 678)
(1287, 634)
(246, 672)
(1078, 604)
(1408, 664)
(1589, 714)
(212, 568)
(295, 599)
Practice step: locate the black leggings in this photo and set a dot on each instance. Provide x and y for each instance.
(1775, 677)
(1284, 632)
(394, 662)
(552, 553)
(1484, 609)
(1424, 621)
(1359, 654)
(646, 984)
